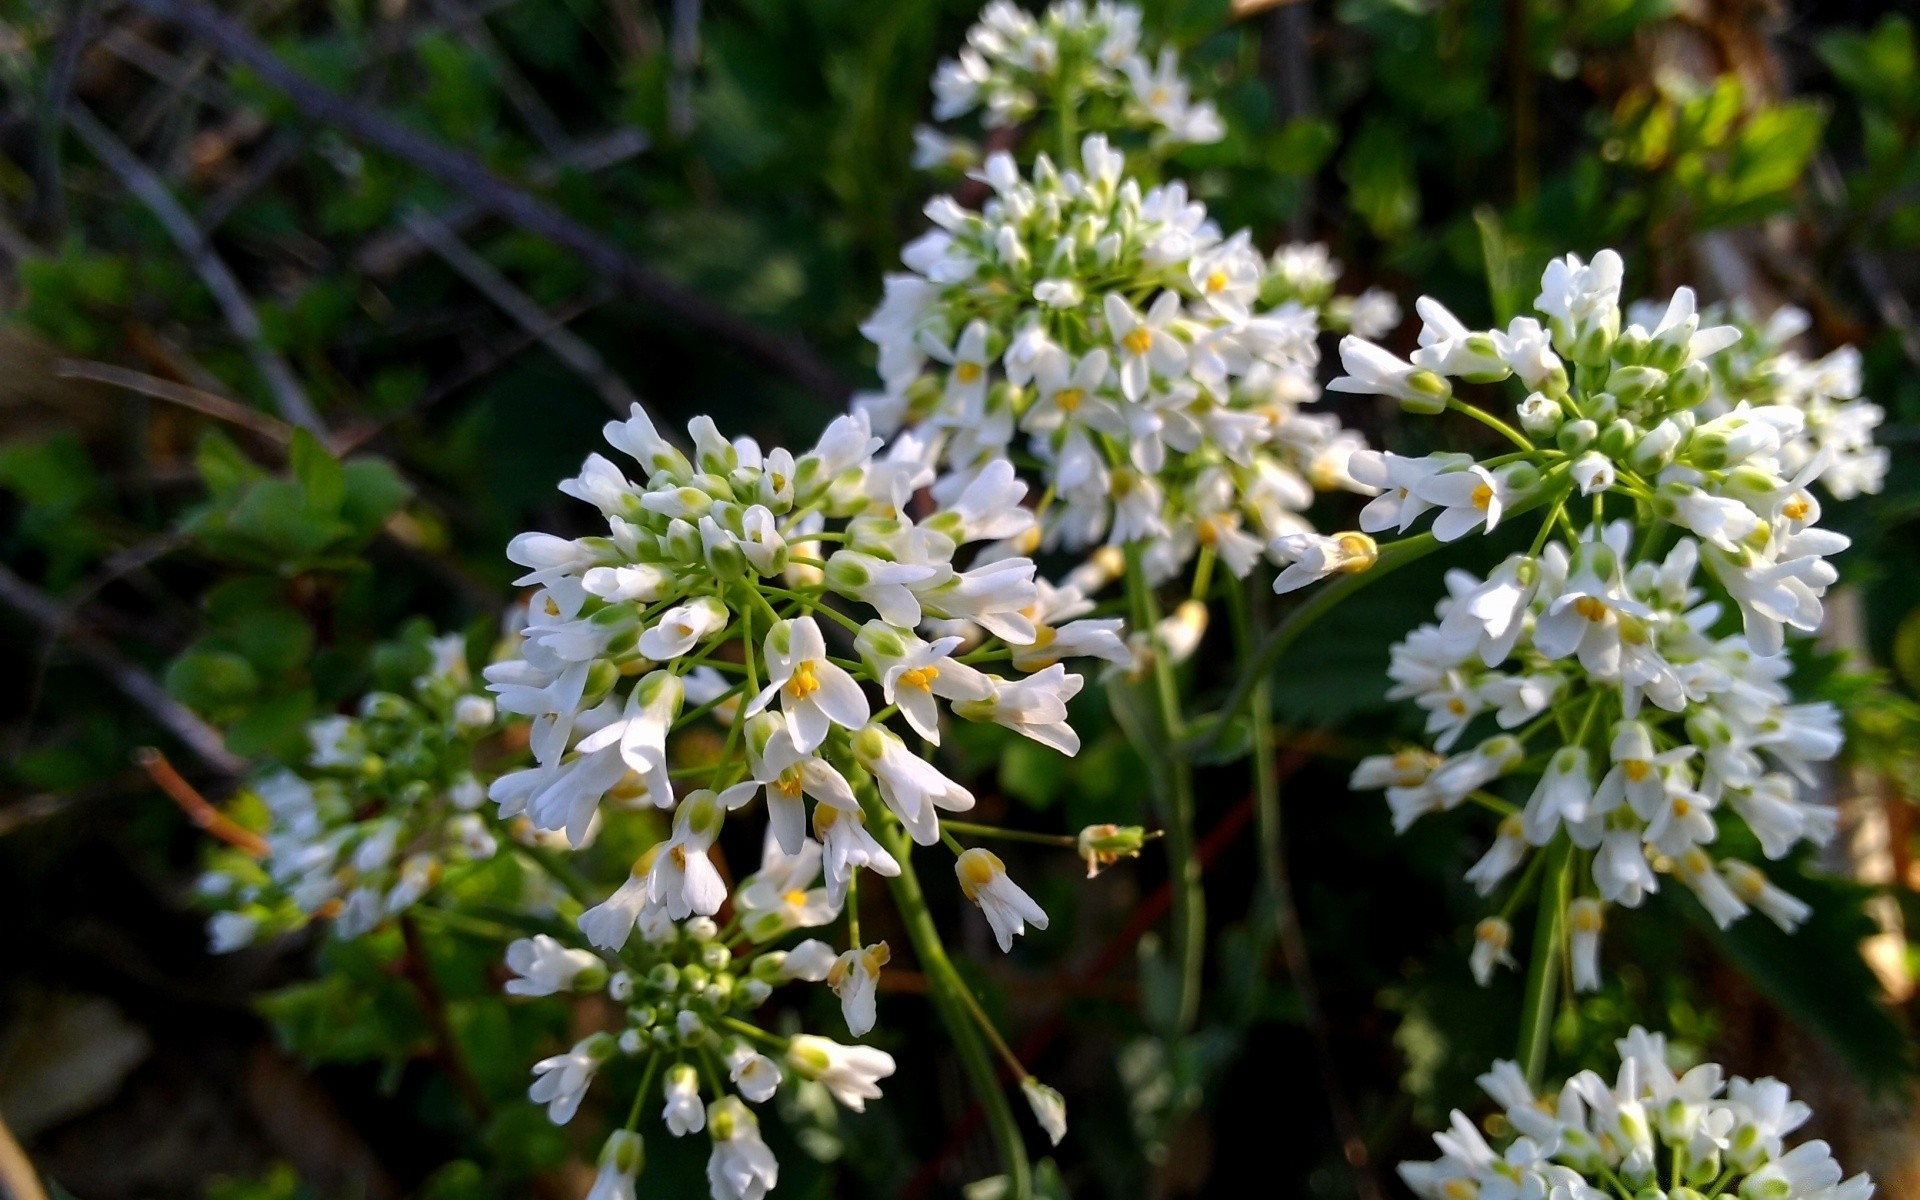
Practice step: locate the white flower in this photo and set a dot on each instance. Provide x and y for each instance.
(1491, 937)
(779, 898)
(850, 1073)
(543, 966)
(810, 961)
(1585, 920)
(682, 627)
(683, 879)
(1469, 499)
(561, 1082)
(1049, 1108)
(913, 672)
(683, 1113)
(1008, 909)
(1509, 849)
(620, 1161)
(1145, 346)
(815, 694)
(1035, 707)
(741, 1167)
(911, 786)
(855, 978)
(1313, 557)
(756, 1075)
(847, 847)
(788, 774)
(1372, 371)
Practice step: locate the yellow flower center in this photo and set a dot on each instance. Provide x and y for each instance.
(1069, 399)
(1138, 341)
(967, 372)
(1797, 508)
(1591, 607)
(802, 683)
(795, 898)
(1482, 496)
(1637, 769)
(1217, 282)
(1680, 806)
(790, 783)
(920, 678)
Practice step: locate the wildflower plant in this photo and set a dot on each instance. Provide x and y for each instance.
(1078, 362)
(1079, 61)
(1652, 1131)
(383, 806)
(1626, 674)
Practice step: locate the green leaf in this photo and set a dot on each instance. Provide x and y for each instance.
(374, 492)
(318, 472)
(212, 681)
(275, 723)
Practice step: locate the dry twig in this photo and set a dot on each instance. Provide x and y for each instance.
(46, 613)
(475, 180)
(288, 396)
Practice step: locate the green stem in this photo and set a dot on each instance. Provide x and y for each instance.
(1259, 663)
(1011, 835)
(1492, 422)
(1543, 974)
(1172, 772)
(947, 989)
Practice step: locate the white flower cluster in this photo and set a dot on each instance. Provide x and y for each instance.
(1086, 59)
(1839, 422)
(1652, 1134)
(1628, 422)
(705, 599)
(689, 991)
(1157, 369)
(386, 803)
(1662, 730)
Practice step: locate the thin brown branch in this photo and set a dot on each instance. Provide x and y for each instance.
(473, 179)
(388, 252)
(52, 620)
(199, 400)
(288, 396)
(567, 346)
(198, 808)
(419, 972)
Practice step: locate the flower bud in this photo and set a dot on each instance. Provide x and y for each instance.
(1617, 439)
(1655, 448)
(1575, 436)
(1630, 348)
(1540, 415)
(1688, 386)
(1103, 845)
(1426, 393)
(1632, 384)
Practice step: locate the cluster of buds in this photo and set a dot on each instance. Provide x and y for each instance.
(1838, 425)
(705, 602)
(1641, 730)
(384, 804)
(1087, 60)
(1651, 1134)
(690, 992)
(1644, 730)
(1632, 420)
(1156, 368)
